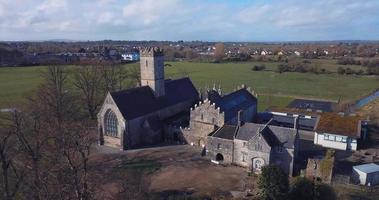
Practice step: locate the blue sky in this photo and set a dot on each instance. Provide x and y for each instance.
(211, 20)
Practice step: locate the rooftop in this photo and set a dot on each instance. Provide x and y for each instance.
(232, 102)
(342, 125)
(226, 132)
(325, 106)
(367, 168)
(140, 101)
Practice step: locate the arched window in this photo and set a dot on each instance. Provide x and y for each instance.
(110, 124)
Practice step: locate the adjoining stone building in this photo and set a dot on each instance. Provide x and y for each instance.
(143, 116)
(218, 110)
(254, 145)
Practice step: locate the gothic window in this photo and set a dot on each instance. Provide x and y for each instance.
(146, 64)
(110, 124)
(219, 146)
(202, 117)
(213, 120)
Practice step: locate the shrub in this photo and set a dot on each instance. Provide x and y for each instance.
(273, 183)
(341, 70)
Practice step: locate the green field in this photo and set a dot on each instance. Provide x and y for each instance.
(274, 89)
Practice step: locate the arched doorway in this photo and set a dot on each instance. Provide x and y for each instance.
(219, 157)
(258, 163)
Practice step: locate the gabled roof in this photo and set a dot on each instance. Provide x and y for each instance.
(273, 135)
(140, 101)
(226, 132)
(233, 102)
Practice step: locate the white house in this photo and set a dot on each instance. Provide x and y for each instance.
(297, 53)
(338, 132)
(367, 174)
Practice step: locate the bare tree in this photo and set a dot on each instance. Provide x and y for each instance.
(12, 176)
(89, 81)
(34, 145)
(113, 77)
(76, 160)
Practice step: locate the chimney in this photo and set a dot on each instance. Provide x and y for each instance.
(295, 122)
(239, 118)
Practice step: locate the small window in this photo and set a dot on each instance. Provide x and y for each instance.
(147, 64)
(344, 140)
(258, 147)
(244, 144)
(213, 120)
(243, 156)
(218, 146)
(279, 149)
(202, 117)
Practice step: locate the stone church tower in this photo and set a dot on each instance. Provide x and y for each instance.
(152, 70)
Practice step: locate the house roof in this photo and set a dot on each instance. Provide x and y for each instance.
(248, 130)
(226, 132)
(367, 168)
(325, 106)
(233, 102)
(140, 101)
(274, 135)
(334, 123)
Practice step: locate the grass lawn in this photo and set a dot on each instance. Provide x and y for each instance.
(274, 89)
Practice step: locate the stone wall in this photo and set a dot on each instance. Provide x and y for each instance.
(241, 153)
(111, 141)
(204, 118)
(221, 146)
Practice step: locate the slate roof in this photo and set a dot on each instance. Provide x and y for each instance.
(325, 106)
(137, 102)
(226, 132)
(233, 102)
(248, 130)
(274, 135)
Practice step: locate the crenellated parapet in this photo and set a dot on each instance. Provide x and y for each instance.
(243, 86)
(151, 52)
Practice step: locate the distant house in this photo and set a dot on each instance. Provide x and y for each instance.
(133, 56)
(297, 53)
(263, 53)
(338, 132)
(367, 174)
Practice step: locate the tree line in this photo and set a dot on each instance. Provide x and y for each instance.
(45, 146)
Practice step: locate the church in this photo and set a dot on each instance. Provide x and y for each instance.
(142, 116)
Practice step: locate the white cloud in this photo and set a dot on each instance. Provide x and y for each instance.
(198, 19)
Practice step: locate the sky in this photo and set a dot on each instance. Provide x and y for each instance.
(207, 20)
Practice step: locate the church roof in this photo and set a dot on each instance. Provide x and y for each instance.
(137, 102)
(233, 102)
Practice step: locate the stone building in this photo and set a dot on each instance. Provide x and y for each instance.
(143, 116)
(218, 110)
(254, 145)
